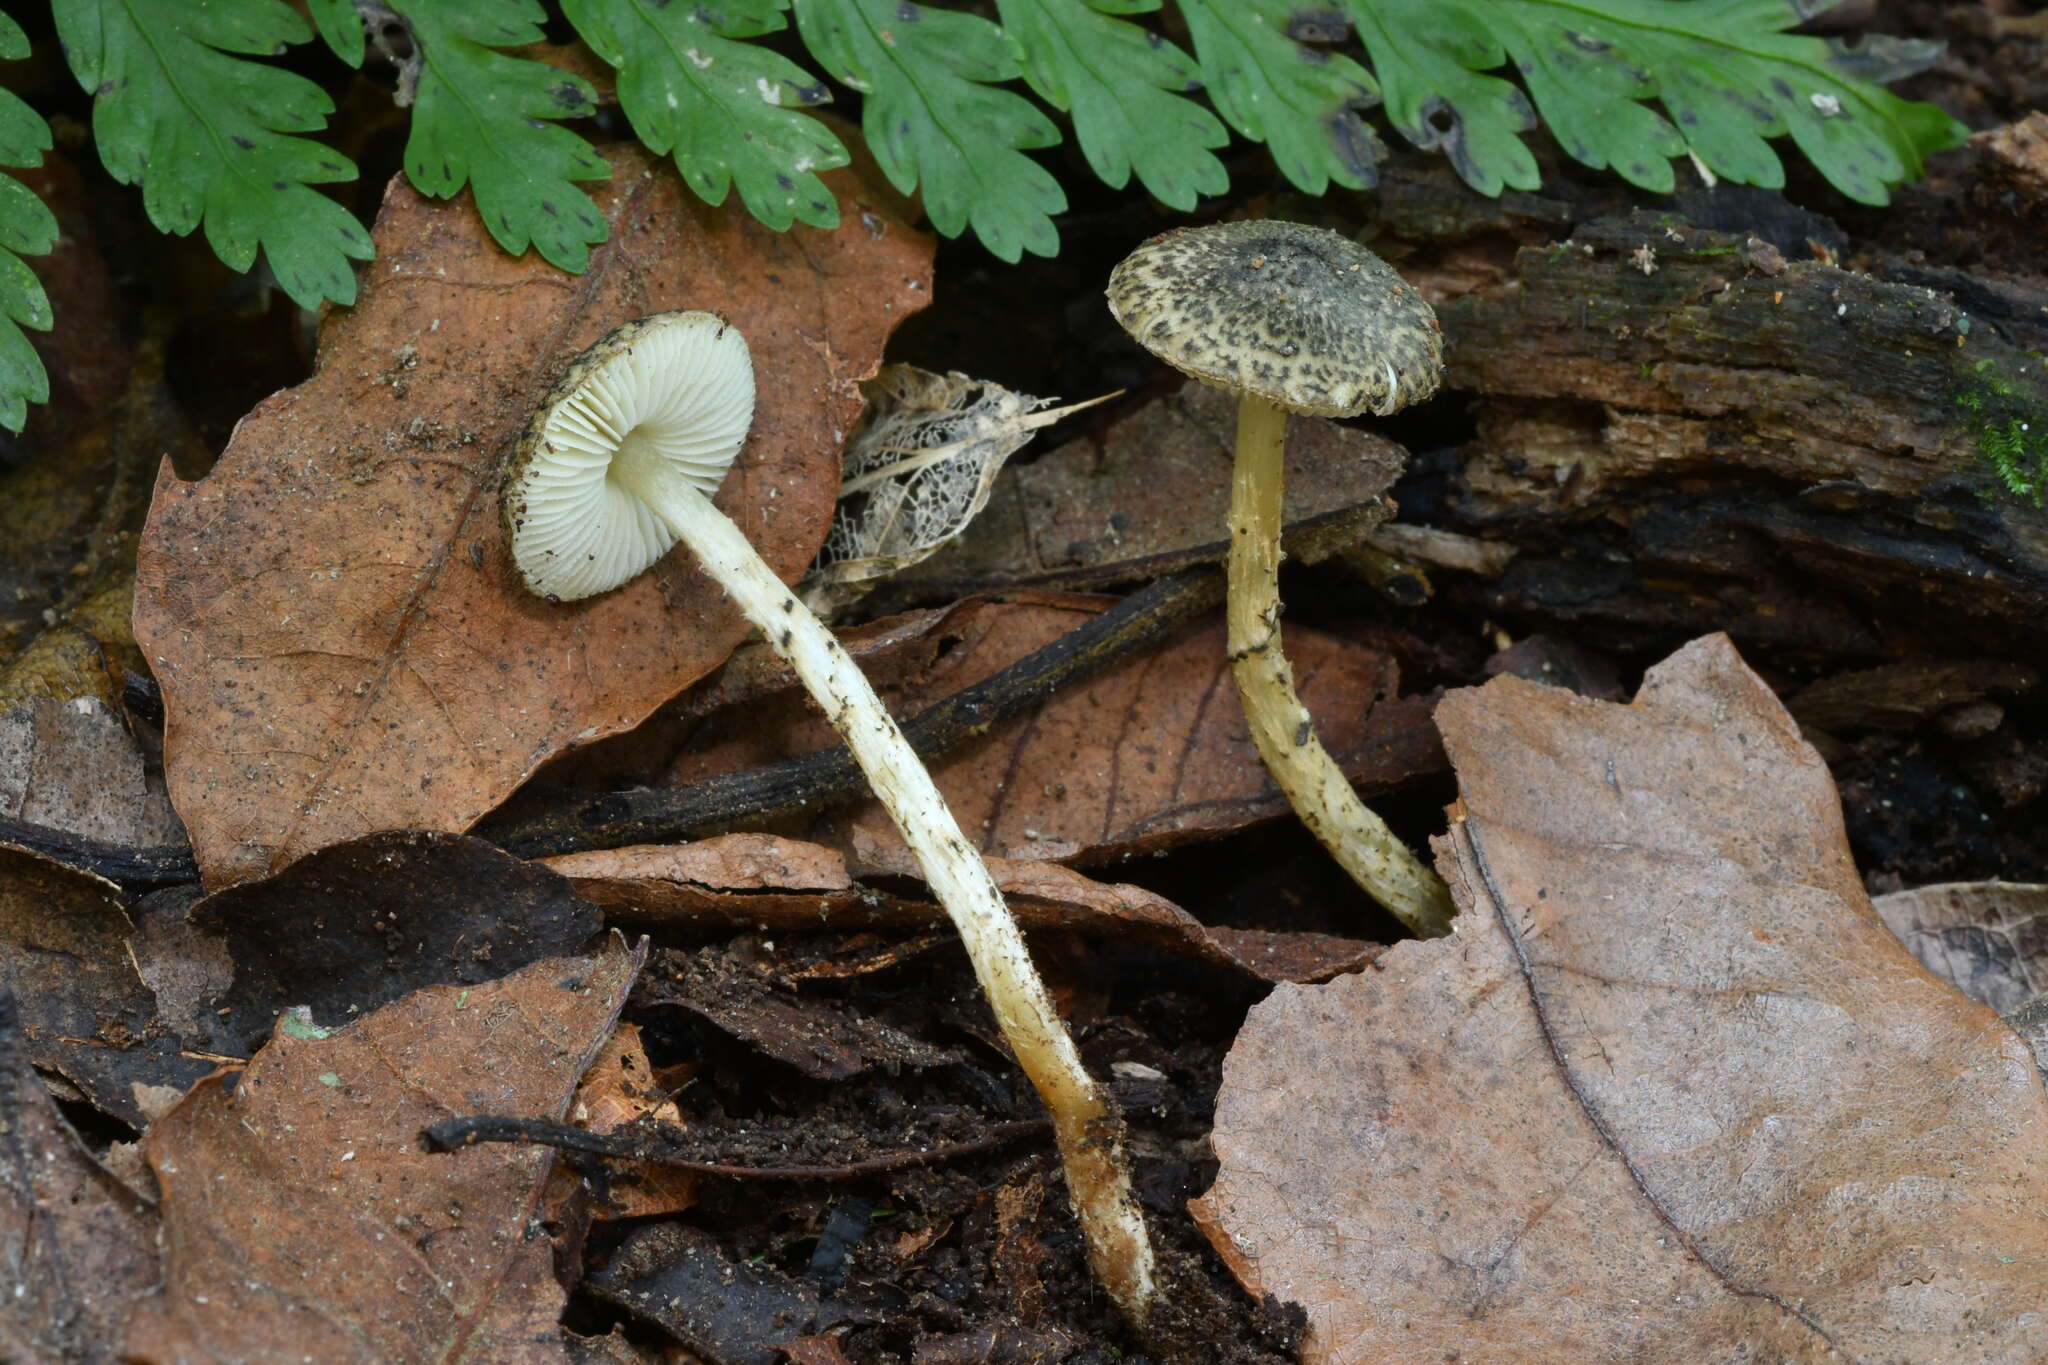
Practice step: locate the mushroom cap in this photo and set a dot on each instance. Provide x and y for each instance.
(674, 388)
(1299, 315)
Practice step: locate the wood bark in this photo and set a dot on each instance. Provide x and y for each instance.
(1680, 426)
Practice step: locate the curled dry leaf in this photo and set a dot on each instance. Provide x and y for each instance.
(718, 884)
(83, 1009)
(829, 1040)
(301, 1219)
(1150, 752)
(918, 469)
(76, 1245)
(1671, 1092)
(618, 1088)
(1987, 939)
(343, 643)
(1149, 496)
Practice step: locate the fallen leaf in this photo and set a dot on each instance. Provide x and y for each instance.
(678, 1278)
(2030, 1021)
(302, 1220)
(358, 925)
(76, 1245)
(1149, 496)
(1671, 1092)
(828, 1040)
(619, 1088)
(716, 885)
(84, 1011)
(1987, 939)
(1150, 752)
(342, 641)
(73, 766)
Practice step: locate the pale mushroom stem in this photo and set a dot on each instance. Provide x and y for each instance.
(1314, 785)
(1090, 1135)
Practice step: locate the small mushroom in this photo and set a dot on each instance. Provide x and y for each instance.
(618, 463)
(1291, 318)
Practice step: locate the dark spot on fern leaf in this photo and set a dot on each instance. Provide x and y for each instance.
(1318, 25)
(249, 146)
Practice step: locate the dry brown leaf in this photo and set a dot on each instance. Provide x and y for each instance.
(718, 884)
(735, 1313)
(301, 1219)
(76, 1245)
(72, 765)
(828, 1040)
(1672, 1092)
(84, 1010)
(617, 1089)
(1149, 496)
(342, 641)
(1148, 753)
(1987, 939)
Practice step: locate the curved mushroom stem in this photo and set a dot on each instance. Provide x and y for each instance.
(1315, 786)
(1090, 1134)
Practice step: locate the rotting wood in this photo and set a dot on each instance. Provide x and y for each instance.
(1678, 425)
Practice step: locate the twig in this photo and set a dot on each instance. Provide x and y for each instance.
(660, 1144)
(158, 865)
(720, 803)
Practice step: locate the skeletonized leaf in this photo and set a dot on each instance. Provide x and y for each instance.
(918, 469)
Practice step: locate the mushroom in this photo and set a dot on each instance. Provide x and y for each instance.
(618, 463)
(1291, 318)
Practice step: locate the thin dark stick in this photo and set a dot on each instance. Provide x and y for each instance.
(654, 1145)
(720, 803)
(159, 865)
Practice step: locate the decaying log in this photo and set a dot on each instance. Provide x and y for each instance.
(1679, 427)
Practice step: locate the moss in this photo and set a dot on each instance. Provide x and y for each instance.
(2010, 429)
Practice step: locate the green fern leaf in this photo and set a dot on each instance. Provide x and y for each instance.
(179, 112)
(728, 110)
(935, 120)
(483, 119)
(1302, 102)
(1726, 72)
(27, 228)
(1122, 85)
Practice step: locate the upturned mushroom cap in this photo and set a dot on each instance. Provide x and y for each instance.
(1299, 315)
(672, 387)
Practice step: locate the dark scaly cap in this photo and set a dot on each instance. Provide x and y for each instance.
(1299, 315)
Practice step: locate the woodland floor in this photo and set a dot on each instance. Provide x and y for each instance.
(840, 1052)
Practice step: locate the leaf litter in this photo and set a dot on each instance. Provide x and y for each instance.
(301, 1217)
(824, 1027)
(342, 643)
(1671, 1091)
